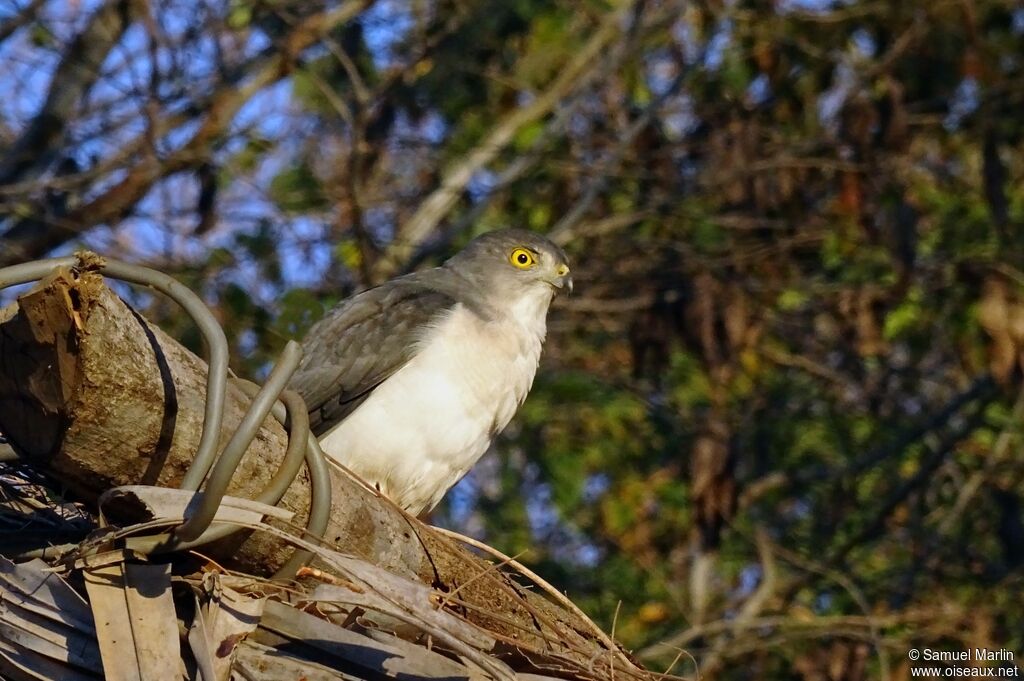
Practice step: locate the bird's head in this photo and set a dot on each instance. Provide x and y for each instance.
(514, 263)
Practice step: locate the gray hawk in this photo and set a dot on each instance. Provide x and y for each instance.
(408, 382)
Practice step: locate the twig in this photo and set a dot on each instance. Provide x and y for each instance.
(971, 487)
(536, 579)
(611, 657)
(487, 570)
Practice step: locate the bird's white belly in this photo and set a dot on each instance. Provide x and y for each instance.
(423, 428)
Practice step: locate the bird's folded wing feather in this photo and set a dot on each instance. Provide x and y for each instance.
(362, 342)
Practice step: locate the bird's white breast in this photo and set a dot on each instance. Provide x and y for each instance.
(423, 428)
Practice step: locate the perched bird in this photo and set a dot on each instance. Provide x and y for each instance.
(408, 382)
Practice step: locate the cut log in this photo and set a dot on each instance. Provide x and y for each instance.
(97, 397)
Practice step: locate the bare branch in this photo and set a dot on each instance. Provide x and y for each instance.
(457, 176)
(23, 17)
(78, 70)
(34, 236)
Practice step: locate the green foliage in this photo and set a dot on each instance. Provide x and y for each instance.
(299, 310)
(298, 190)
(240, 15)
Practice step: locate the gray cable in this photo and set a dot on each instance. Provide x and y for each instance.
(197, 531)
(291, 412)
(226, 464)
(319, 507)
(319, 476)
(213, 335)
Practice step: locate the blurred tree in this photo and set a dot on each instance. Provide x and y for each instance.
(780, 423)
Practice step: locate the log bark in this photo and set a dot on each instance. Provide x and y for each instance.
(97, 397)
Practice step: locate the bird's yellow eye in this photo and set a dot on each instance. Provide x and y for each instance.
(522, 258)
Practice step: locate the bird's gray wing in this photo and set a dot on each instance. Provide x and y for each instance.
(362, 342)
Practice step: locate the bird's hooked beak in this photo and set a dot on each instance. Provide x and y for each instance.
(563, 280)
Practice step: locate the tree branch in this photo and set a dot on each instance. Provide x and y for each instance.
(78, 70)
(574, 76)
(35, 236)
(23, 17)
